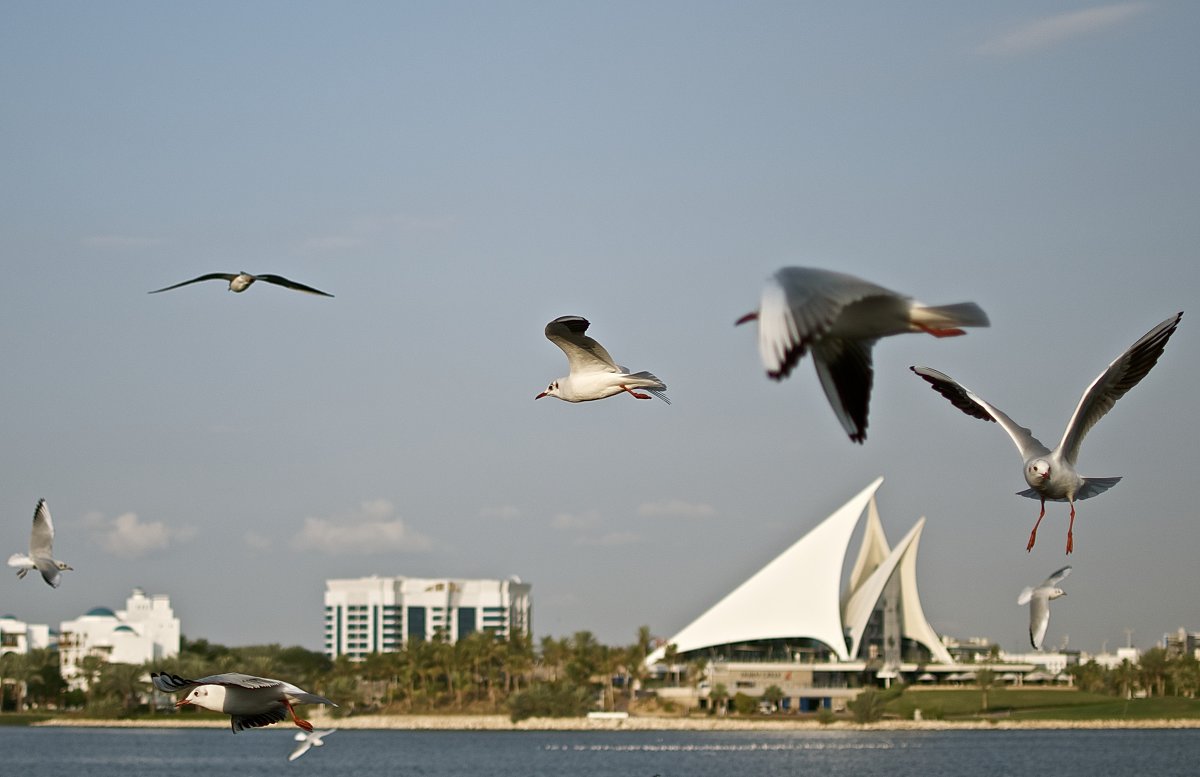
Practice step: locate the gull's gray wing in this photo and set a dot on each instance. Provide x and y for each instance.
(1122, 374)
(212, 276)
(799, 305)
(173, 683)
(1056, 578)
(279, 280)
(583, 353)
(844, 367)
(50, 571)
(1039, 618)
(971, 404)
(41, 538)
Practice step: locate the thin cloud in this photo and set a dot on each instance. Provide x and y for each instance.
(1052, 30)
(574, 521)
(676, 508)
(130, 537)
(370, 531)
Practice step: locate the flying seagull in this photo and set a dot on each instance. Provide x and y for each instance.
(1051, 474)
(243, 280)
(594, 374)
(306, 741)
(41, 549)
(1038, 600)
(251, 702)
(840, 317)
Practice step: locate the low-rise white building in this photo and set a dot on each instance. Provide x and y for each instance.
(381, 614)
(146, 630)
(17, 636)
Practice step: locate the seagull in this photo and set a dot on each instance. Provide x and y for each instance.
(1038, 600)
(239, 282)
(840, 317)
(315, 739)
(1051, 474)
(251, 702)
(594, 374)
(41, 549)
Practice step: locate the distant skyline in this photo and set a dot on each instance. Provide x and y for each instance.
(458, 176)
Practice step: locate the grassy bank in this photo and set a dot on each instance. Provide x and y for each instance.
(1040, 704)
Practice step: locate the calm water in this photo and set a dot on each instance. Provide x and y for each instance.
(218, 753)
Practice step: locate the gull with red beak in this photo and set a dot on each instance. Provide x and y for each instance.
(840, 317)
(1052, 474)
(251, 702)
(594, 374)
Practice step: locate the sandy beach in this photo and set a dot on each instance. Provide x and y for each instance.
(635, 723)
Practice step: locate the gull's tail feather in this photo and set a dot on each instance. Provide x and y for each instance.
(652, 384)
(1091, 487)
(949, 317)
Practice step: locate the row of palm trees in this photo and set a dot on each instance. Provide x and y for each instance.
(477, 673)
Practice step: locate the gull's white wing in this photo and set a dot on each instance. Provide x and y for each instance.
(41, 538)
(301, 748)
(279, 280)
(971, 404)
(1039, 618)
(583, 353)
(1056, 578)
(1122, 374)
(798, 307)
(50, 571)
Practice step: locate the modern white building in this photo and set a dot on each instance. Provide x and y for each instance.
(791, 624)
(795, 607)
(146, 630)
(382, 614)
(17, 636)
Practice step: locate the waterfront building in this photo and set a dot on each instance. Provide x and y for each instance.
(17, 636)
(146, 630)
(383, 614)
(792, 625)
(1182, 643)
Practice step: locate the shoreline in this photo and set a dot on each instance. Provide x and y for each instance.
(636, 723)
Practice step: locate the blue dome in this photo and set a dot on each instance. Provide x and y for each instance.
(102, 612)
(123, 627)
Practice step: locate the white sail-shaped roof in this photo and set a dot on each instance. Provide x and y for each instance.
(796, 595)
(915, 626)
(873, 551)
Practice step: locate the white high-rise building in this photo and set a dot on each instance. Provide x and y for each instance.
(381, 614)
(146, 630)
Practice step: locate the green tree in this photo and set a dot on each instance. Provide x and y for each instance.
(985, 679)
(719, 697)
(1152, 671)
(773, 694)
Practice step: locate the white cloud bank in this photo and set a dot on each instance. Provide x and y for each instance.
(371, 530)
(1051, 30)
(130, 537)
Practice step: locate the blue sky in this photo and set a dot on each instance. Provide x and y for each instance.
(460, 174)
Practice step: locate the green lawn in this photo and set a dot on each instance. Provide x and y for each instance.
(1037, 704)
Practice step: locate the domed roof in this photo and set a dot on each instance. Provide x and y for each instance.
(101, 612)
(123, 627)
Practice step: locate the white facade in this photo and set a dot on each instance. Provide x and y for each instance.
(798, 594)
(381, 614)
(146, 630)
(17, 636)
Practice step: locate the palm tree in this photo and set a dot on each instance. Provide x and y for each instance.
(719, 696)
(985, 679)
(773, 694)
